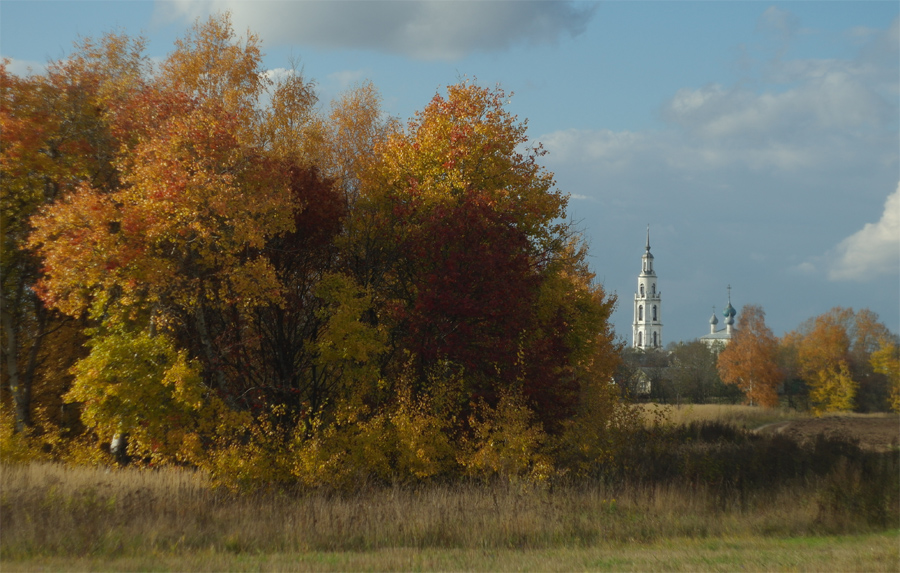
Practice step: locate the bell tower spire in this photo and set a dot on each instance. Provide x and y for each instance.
(647, 325)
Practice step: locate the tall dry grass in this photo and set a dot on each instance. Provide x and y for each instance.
(50, 510)
(705, 480)
(741, 416)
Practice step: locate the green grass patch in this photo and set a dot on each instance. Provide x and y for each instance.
(870, 552)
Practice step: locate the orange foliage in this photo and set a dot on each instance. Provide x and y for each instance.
(834, 356)
(750, 361)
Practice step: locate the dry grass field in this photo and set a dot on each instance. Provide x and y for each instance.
(59, 518)
(879, 432)
(747, 417)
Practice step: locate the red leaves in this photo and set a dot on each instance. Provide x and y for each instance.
(474, 287)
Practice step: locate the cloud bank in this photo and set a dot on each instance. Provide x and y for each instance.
(794, 124)
(874, 250)
(420, 29)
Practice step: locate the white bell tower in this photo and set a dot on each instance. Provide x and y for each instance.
(647, 325)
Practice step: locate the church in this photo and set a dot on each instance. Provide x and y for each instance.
(647, 324)
(719, 339)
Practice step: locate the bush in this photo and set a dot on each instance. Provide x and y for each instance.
(861, 492)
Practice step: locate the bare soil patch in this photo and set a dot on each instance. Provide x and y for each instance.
(874, 432)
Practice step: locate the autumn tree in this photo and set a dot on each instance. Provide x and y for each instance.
(30, 178)
(355, 128)
(824, 362)
(212, 64)
(55, 136)
(833, 355)
(886, 361)
(750, 361)
(457, 233)
(795, 387)
(344, 291)
(272, 346)
(174, 244)
(867, 333)
(141, 384)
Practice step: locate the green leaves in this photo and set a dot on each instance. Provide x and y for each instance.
(139, 384)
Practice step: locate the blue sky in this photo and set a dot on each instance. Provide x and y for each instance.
(759, 140)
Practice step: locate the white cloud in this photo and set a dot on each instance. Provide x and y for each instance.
(24, 68)
(603, 148)
(279, 74)
(422, 29)
(834, 113)
(874, 250)
(829, 96)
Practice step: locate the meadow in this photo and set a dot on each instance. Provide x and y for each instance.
(838, 514)
(741, 416)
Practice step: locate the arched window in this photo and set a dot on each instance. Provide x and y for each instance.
(655, 340)
(654, 312)
(641, 312)
(642, 291)
(653, 289)
(640, 338)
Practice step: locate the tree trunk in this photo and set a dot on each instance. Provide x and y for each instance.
(21, 382)
(118, 447)
(20, 395)
(210, 355)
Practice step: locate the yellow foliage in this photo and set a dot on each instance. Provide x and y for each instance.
(346, 337)
(45, 441)
(342, 455)
(211, 63)
(886, 360)
(259, 464)
(468, 141)
(833, 390)
(404, 441)
(17, 447)
(600, 430)
(506, 443)
(138, 384)
(347, 343)
(354, 129)
(423, 446)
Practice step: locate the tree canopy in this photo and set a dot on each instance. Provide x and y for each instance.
(275, 292)
(750, 360)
